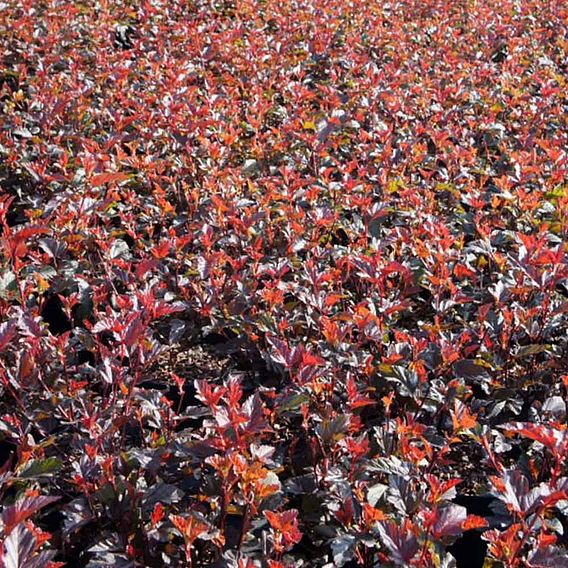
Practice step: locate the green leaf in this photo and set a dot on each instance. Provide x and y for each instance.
(528, 350)
(37, 468)
(332, 430)
(292, 402)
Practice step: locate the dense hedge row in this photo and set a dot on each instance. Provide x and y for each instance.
(283, 283)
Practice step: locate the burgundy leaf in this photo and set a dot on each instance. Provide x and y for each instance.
(400, 541)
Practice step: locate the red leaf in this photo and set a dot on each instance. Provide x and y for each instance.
(449, 521)
(162, 250)
(474, 522)
(145, 266)
(208, 395)
(399, 540)
(23, 509)
(157, 514)
(285, 525)
(133, 331)
(108, 177)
